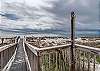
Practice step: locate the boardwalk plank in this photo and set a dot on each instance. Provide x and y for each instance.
(19, 63)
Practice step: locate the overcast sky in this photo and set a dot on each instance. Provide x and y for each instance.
(53, 14)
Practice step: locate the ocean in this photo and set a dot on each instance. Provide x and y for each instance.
(63, 34)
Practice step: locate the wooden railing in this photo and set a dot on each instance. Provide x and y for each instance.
(57, 58)
(6, 53)
(6, 41)
(45, 59)
(33, 57)
(87, 58)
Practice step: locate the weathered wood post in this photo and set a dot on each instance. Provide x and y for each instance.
(72, 67)
(2, 40)
(38, 55)
(38, 61)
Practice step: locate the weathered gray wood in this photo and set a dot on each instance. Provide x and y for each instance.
(72, 67)
(2, 60)
(62, 56)
(88, 62)
(83, 68)
(19, 63)
(94, 62)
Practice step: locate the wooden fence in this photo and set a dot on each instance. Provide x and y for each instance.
(7, 51)
(58, 58)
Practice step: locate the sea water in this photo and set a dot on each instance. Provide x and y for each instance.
(63, 34)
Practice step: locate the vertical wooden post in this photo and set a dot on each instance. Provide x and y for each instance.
(38, 62)
(2, 60)
(88, 62)
(2, 39)
(94, 62)
(83, 61)
(56, 60)
(72, 68)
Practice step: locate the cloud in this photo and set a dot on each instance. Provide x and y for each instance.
(87, 12)
(50, 14)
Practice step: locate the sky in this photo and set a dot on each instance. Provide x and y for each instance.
(49, 14)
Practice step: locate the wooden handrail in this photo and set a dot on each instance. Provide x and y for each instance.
(26, 58)
(33, 48)
(54, 47)
(6, 46)
(46, 48)
(79, 49)
(88, 48)
(97, 50)
(34, 54)
(6, 53)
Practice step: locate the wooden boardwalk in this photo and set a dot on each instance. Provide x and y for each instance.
(26, 57)
(19, 63)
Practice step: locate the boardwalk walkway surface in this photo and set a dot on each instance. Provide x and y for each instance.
(19, 63)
